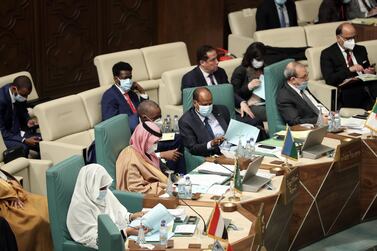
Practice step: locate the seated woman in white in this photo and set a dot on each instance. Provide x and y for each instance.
(91, 198)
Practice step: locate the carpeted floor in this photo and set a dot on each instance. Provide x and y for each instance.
(362, 237)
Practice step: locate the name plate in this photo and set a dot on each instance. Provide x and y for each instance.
(290, 186)
(348, 155)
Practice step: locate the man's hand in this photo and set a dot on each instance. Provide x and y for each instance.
(136, 215)
(217, 141)
(134, 231)
(372, 12)
(253, 84)
(355, 68)
(16, 203)
(138, 87)
(31, 123)
(171, 154)
(244, 108)
(370, 70)
(32, 141)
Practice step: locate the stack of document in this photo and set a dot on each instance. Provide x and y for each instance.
(212, 168)
(201, 183)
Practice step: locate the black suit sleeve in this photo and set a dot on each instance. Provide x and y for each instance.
(262, 18)
(187, 81)
(238, 81)
(291, 9)
(109, 106)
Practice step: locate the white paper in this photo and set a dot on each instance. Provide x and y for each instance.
(185, 229)
(178, 213)
(218, 190)
(259, 91)
(237, 130)
(152, 219)
(212, 168)
(155, 237)
(206, 179)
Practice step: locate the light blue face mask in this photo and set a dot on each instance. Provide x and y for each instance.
(102, 194)
(205, 110)
(19, 98)
(280, 2)
(303, 86)
(126, 84)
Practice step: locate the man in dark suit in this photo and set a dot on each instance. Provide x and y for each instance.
(295, 103)
(17, 129)
(276, 14)
(343, 62)
(121, 97)
(203, 126)
(208, 72)
(362, 8)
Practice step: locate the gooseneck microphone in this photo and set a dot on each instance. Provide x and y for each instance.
(204, 223)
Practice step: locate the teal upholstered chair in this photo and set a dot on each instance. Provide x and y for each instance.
(61, 180)
(222, 95)
(112, 136)
(109, 237)
(274, 80)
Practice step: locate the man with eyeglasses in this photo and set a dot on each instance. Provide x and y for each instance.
(342, 62)
(295, 102)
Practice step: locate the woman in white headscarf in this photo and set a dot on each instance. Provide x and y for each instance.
(91, 198)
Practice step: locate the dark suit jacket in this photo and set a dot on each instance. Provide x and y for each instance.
(114, 103)
(12, 121)
(330, 11)
(195, 78)
(194, 134)
(267, 16)
(334, 67)
(240, 81)
(292, 107)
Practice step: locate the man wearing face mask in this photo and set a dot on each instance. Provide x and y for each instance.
(345, 60)
(273, 14)
(333, 11)
(121, 98)
(15, 123)
(203, 126)
(295, 103)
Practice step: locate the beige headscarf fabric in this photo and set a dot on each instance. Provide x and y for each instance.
(86, 205)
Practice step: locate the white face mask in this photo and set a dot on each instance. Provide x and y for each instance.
(102, 194)
(159, 122)
(349, 44)
(18, 97)
(280, 2)
(257, 64)
(152, 149)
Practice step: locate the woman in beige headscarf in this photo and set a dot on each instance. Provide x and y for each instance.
(137, 166)
(26, 213)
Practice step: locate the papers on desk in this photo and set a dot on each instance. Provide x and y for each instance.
(201, 183)
(185, 229)
(354, 125)
(167, 136)
(154, 237)
(212, 168)
(237, 130)
(367, 77)
(217, 190)
(259, 91)
(298, 135)
(178, 213)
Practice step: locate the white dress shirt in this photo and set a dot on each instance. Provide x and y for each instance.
(207, 78)
(215, 126)
(286, 17)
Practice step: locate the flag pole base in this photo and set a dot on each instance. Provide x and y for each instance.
(234, 198)
(287, 166)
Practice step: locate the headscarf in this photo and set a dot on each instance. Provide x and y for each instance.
(86, 206)
(141, 140)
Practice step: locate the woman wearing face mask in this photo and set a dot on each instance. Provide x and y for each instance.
(91, 198)
(333, 11)
(137, 166)
(247, 77)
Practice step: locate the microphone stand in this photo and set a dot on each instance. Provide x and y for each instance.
(204, 223)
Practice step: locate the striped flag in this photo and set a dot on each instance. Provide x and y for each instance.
(371, 122)
(229, 247)
(216, 228)
(237, 177)
(289, 148)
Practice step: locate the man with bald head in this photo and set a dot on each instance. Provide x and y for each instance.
(346, 60)
(15, 124)
(203, 127)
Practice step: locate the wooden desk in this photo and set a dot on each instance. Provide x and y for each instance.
(365, 32)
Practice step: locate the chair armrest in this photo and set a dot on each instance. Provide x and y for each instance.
(37, 175)
(109, 236)
(16, 165)
(192, 161)
(326, 94)
(58, 151)
(132, 201)
(238, 44)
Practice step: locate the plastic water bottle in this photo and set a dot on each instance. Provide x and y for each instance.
(181, 187)
(164, 124)
(248, 151)
(240, 150)
(176, 127)
(168, 123)
(188, 188)
(337, 122)
(163, 234)
(140, 234)
(169, 186)
(331, 122)
(320, 117)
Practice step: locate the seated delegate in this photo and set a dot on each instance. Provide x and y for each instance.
(91, 198)
(137, 166)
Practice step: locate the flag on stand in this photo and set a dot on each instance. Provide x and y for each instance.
(237, 177)
(229, 247)
(371, 122)
(289, 148)
(216, 228)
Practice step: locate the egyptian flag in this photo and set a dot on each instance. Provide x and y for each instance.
(229, 247)
(289, 148)
(216, 227)
(371, 122)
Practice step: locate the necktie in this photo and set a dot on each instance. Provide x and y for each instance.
(211, 78)
(129, 102)
(208, 127)
(367, 5)
(282, 17)
(349, 58)
(309, 102)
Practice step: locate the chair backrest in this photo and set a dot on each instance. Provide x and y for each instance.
(313, 56)
(321, 34)
(165, 57)
(282, 37)
(92, 103)
(2, 148)
(104, 64)
(221, 95)
(371, 47)
(243, 22)
(109, 237)
(274, 80)
(9, 79)
(230, 65)
(112, 136)
(61, 181)
(307, 10)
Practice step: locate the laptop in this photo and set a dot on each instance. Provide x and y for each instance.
(312, 147)
(251, 182)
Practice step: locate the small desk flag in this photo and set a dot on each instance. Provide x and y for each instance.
(289, 148)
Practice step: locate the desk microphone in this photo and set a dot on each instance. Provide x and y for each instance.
(216, 162)
(204, 223)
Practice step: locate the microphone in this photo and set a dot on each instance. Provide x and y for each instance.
(204, 223)
(216, 162)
